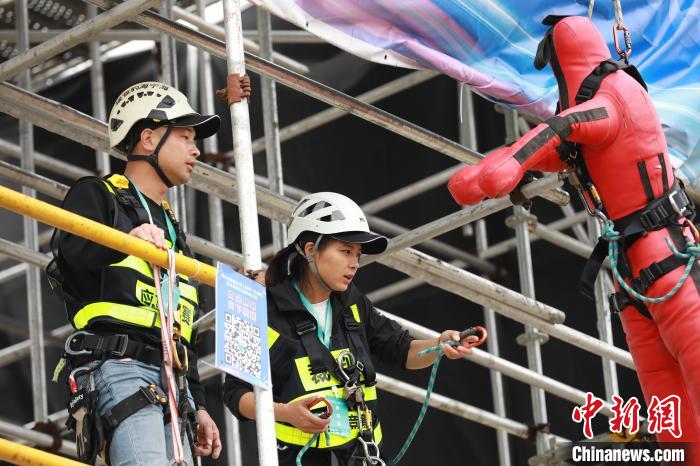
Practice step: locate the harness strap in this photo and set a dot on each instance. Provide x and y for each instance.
(359, 347)
(112, 346)
(586, 284)
(666, 210)
(656, 270)
(592, 82)
(319, 356)
(620, 300)
(145, 396)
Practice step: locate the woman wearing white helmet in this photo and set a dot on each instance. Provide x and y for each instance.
(322, 335)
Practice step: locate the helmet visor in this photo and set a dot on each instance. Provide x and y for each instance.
(203, 125)
(371, 242)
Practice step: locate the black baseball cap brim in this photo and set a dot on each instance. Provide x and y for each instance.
(203, 125)
(371, 242)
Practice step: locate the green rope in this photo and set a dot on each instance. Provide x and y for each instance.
(428, 392)
(311, 441)
(612, 236)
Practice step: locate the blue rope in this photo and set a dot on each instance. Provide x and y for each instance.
(428, 392)
(612, 236)
(311, 441)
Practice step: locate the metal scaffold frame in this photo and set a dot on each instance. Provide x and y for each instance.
(462, 274)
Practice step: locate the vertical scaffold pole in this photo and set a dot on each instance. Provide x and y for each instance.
(31, 233)
(603, 287)
(532, 339)
(273, 151)
(97, 92)
(248, 211)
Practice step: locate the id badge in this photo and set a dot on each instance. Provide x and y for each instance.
(340, 420)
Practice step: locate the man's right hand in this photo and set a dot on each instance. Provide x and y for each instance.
(150, 233)
(298, 413)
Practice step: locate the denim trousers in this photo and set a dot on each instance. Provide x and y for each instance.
(142, 438)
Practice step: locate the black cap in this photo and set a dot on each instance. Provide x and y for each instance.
(203, 125)
(371, 242)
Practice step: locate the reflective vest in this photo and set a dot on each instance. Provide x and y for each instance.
(128, 289)
(293, 378)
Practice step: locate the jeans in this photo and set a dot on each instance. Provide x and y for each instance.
(142, 438)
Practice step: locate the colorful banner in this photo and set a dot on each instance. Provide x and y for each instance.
(490, 45)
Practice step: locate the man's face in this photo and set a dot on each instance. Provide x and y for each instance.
(178, 154)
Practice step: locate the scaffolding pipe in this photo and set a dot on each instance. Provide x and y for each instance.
(250, 46)
(505, 246)
(603, 287)
(102, 234)
(35, 315)
(72, 37)
(323, 93)
(497, 393)
(120, 35)
(273, 151)
(46, 162)
(21, 454)
(88, 131)
(331, 114)
(455, 280)
(97, 92)
(248, 213)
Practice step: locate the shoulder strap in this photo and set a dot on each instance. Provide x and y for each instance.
(137, 214)
(320, 357)
(592, 82)
(351, 319)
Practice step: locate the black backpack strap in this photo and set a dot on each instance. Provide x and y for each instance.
(320, 357)
(136, 212)
(358, 345)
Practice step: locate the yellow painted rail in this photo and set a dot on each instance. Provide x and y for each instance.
(15, 453)
(102, 234)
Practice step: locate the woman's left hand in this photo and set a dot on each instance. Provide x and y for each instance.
(456, 352)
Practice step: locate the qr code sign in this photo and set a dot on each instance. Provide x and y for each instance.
(242, 345)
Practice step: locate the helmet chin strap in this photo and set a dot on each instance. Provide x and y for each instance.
(312, 265)
(153, 158)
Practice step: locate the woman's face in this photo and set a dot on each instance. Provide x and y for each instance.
(337, 263)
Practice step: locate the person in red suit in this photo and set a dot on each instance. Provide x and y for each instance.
(608, 131)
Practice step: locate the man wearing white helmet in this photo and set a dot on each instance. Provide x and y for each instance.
(117, 385)
(322, 335)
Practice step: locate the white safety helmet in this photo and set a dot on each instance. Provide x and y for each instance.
(337, 216)
(159, 103)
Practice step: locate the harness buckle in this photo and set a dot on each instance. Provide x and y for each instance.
(154, 394)
(73, 338)
(618, 302)
(681, 212)
(123, 342)
(306, 327)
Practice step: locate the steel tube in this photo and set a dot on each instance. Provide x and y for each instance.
(72, 37)
(273, 151)
(121, 35)
(331, 114)
(497, 393)
(324, 93)
(39, 439)
(46, 162)
(248, 212)
(97, 92)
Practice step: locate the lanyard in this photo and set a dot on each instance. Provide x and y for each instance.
(171, 228)
(323, 334)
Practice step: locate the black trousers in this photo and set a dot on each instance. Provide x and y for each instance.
(322, 457)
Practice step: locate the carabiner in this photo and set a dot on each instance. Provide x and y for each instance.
(69, 340)
(72, 383)
(473, 331)
(352, 363)
(624, 54)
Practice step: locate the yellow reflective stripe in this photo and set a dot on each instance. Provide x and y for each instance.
(137, 264)
(294, 436)
(272, 337)
(370, 393)
(355, 313)
(142, 316)
(108, 186)
(188, 291)
(318, 381)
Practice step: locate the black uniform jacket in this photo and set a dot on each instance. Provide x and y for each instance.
(386, 340)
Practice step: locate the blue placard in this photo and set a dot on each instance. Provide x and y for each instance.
(241, 327)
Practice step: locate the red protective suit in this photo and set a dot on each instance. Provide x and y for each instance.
(620, 137)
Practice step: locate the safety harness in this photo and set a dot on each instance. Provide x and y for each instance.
(662, 212)
(83, 348)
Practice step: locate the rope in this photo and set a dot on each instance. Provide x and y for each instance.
(590, 8)
(426, 402)
(311, 441)
(612, 236)
(618, 11)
